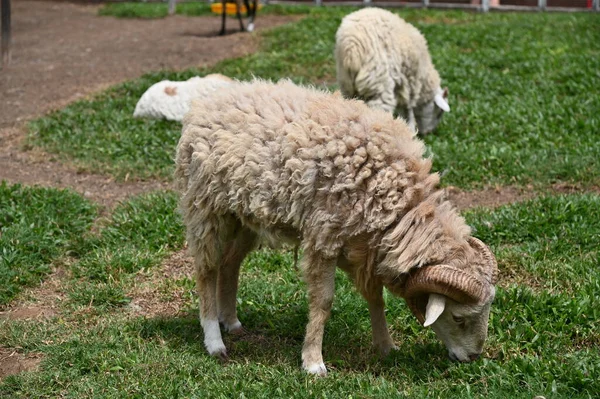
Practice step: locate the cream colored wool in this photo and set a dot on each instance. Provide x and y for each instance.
(385, 61)
(291, 164)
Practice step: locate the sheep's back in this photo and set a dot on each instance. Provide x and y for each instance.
(292, 157)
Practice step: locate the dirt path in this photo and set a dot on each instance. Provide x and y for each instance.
(63, 52)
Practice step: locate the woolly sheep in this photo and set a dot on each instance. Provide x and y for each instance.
(384, 60)
(347, 183)
(171, 100)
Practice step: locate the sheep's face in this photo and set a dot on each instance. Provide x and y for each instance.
(462, 328)
(428, 116)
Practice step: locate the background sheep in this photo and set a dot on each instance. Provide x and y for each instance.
(384, 61)
(171, 100)
(351, 186)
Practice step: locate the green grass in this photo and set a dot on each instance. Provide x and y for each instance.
(160, 10)
(37, 227)
(544, 338)
(521, 97)
(138, 235)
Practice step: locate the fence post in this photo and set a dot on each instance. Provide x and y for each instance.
(596, 5)
(367, 2)
(485, 5)
(542, 5)
(5, 31)
(318, 2)
(172, 5)
(425, 3)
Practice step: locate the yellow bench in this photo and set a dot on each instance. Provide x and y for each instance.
(230, 8)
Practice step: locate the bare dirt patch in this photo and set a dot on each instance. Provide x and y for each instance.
(63, 52)
(13, 362)
(493, 197)
(158, 293)
(38, 168)
(488, 197)
(40, 302)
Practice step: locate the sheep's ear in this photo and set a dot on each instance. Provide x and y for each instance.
(445, 92)
(440, 101)
(435, 307)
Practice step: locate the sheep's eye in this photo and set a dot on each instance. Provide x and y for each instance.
(458, 320)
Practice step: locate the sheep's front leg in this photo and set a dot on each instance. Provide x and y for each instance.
(381, 336)
(320, 278)
(412, 123)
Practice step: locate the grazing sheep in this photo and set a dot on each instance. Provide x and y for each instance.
(350, 185)
(384, 61)
(171, 100)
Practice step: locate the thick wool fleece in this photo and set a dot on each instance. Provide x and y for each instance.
(384, 60)
(307, 166)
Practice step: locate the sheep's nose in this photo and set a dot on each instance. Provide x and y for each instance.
(474, 356)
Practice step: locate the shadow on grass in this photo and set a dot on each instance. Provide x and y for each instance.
(279, 342)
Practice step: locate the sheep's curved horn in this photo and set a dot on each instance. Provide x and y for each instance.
(457, 284)
(441, 102)
(488, 256)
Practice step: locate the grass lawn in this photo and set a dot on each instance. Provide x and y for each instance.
(124, 321)
(37, 227)
(523, 108)
(543, 334)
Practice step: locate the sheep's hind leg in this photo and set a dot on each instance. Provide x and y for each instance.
(320, 278)
(207, 244)
(227, 284)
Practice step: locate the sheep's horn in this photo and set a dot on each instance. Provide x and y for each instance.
(488, 256)
(459, 285)
(441, 102)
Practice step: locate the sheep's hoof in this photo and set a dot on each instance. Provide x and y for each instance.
(236, 329)
(385, 350)
(217, 349)
(318, 369)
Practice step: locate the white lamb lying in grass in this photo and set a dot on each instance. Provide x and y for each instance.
(171, 100)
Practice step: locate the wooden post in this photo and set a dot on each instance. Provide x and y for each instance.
(485, 5)
(425, 3)
(172, 5)
(542, 5)
(318, 2)
(5, 29)
(596, 5)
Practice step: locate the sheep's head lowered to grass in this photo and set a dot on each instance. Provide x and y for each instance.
(455, 303)
(446, 277)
